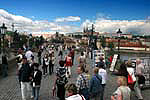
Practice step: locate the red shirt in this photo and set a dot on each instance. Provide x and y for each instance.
(68, 61)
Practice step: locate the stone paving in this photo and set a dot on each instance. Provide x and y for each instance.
(10, 89)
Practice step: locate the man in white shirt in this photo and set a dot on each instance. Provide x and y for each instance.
(102, 72)
(139, 72)
(29, 55)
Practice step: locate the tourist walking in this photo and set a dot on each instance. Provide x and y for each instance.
(60, 81)
(72, 55)
(4, 65)
(101, 62)
(123, 70)
(36, 81)
(139, 74)
(29, 55)
(25, 78)
(103, 73)
(60, 51)
(82, 83)
(51, 63)
(71, 93)
(82, 59)
(39, 56)
(131, 79)
(95, 86)
(68, 64)
(45, 64)
(19, 65)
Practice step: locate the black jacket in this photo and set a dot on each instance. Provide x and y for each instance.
(4, 60)
(25, 73)
(37, 78)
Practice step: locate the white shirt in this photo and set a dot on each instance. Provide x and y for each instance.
(140, 69)
(103, 74)
(75, 97)
(28, 55)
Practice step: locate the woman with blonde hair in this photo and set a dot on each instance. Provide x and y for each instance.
(123, 91)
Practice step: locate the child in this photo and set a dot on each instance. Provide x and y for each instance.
(71, 90)
(123, 91)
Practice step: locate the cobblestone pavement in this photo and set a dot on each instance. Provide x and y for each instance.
(10, 89)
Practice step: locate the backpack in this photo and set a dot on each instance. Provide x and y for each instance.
(62, 79)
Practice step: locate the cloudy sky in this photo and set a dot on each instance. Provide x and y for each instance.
(73, 15)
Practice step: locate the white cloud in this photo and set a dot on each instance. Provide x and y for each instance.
(135, 26)
(101, 24)
(26, 24)
(68, 19)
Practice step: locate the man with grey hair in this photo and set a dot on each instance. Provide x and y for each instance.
(139, 72)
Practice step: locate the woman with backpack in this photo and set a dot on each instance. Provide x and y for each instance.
(95, 87)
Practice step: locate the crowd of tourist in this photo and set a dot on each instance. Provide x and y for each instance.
(86, 87)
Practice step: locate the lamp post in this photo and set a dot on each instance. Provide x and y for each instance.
(30, 37)
(91, 41)
(3, 30)
(119, 33)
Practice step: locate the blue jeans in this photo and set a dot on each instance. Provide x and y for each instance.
(35, 92)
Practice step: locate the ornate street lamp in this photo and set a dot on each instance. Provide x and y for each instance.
(119, 33)
(3, 30)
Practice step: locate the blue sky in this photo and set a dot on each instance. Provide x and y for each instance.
(50, 9)
(86, 9)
